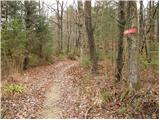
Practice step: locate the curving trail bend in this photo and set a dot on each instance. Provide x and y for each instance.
(51, 107)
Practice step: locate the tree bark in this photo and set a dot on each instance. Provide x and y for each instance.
(151, 32)
(79, 26)
(132, 45)
(58, 27)
(69, 32)
(59, 15)
(141, 27)
(89, 29)
(61, 26)
(119, 58)
(158, 21)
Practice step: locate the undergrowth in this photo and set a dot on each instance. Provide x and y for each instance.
(116, 98)
(85, 61)
(13, 88)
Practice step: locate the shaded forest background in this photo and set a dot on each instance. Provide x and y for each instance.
(28, 31)
(36, 33)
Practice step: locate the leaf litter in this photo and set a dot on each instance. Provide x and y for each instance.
(80, 94)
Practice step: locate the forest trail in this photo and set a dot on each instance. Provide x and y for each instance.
(64, 90)
(43, 95)
(51, 107)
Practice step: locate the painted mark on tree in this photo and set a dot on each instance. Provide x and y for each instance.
(130, 31)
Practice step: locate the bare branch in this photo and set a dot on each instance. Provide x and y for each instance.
(54, 22)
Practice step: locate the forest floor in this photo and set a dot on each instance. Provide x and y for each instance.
(65, 90)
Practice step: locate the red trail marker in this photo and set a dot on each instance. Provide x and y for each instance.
(130, 31)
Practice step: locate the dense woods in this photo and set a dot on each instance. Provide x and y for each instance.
(103, 53)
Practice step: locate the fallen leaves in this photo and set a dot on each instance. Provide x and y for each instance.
(28, 103)
(123, 104)
(81, 93)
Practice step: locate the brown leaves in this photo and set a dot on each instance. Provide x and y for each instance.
(27, 104)
(83, 95)
(130, 105)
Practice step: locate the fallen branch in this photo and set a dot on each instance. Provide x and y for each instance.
(87, 112)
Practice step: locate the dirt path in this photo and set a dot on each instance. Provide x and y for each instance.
(63, 90)
(43, 95)
(51, 107)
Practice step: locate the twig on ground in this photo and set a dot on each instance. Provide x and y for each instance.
(87, 112)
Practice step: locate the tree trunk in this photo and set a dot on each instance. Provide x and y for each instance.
(69, 32)
(58, 27)
(81, 34)
(158, 21)
(40, 51)
(152, 21)
(121, 25)
(141, 28)
(89, 29)
(132, 45)
(27, 34)
(150, 32)
(61, 26)
(79, 26)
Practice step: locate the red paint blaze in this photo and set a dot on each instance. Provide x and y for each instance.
(129, 31)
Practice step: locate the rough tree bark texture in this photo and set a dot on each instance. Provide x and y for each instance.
(89, 29)
(79, 26)
(158, 21)
(151, 31)
(58, 26)
(119, 57)
(4, 11)
(68, 31)
(132, 45)
(61, 26)
(59, 15)
(141, 27)
(153, 20)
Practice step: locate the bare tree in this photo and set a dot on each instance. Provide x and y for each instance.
(121, 25)
(61, 24)
(59, 14)
(59, 11)
(69, 27)
(158, 21)
(79, 23)
(151, 31)
(141, 27)
(132, 45)
(89, 29)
